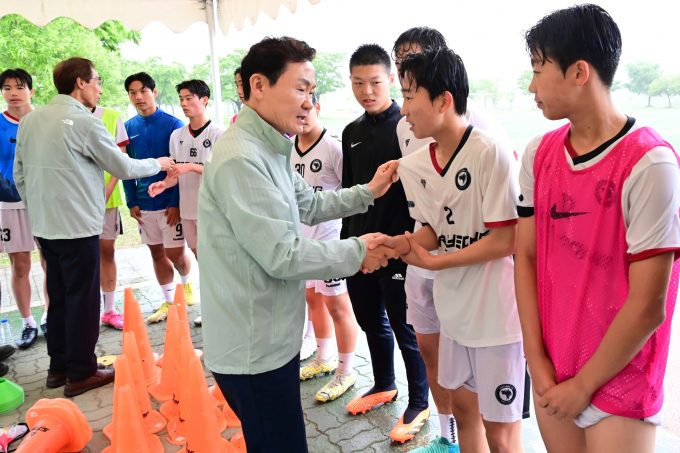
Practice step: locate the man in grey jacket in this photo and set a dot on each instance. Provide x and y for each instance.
(61, 154)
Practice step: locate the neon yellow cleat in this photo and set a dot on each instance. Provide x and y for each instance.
(317, 368)
(161, 314)
(338, 385)
(189, 296)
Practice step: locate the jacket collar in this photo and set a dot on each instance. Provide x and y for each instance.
(251, 122)
(65, 99)
(391, 110)
(151, 117)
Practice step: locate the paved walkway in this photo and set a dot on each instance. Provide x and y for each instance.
(329, 427)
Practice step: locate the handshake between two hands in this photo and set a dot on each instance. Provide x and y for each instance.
(380, 248)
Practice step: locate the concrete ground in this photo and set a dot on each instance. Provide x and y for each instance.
(330, 428)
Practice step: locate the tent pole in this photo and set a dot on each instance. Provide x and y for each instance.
(211, 13)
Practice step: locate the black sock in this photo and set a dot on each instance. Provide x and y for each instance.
(375, 389)
(411, 414)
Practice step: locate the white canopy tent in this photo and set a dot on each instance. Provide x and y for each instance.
(177, 15)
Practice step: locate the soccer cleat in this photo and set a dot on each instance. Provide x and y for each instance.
(160, 314)
(113, 319)
(189, 296)
(438, 445)
(403, 432)
(308, 348)
(365, 403)
(317, 368)
(198, 321)
(338, 385)
(28, 337)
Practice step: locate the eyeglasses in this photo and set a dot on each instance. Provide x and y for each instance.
(99, 80)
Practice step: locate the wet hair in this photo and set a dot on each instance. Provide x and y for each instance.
(270, 57)
(67, 72)
(438, 71)
(425, 37)
(18, 74)
(196, 87)
(583, 32)
(237, 71)
(368, 55)
(146, 80)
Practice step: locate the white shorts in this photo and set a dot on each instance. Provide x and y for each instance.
(496, 374)
(332, 287)
(592, 415)
(113, 225)
(190, 229)
(155, 230)
(15, 231)
(420, 311)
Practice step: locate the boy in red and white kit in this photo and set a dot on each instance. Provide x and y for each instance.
(598, 235)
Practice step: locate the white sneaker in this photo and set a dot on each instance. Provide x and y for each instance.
(198, 321)
(308, 348)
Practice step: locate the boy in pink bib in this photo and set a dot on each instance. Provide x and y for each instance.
(598, 236)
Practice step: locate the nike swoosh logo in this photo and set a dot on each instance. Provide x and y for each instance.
(12, 140)
(134, 136)
(355, 144)
(563, 215)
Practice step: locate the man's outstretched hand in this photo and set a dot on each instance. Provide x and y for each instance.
(376, 257)
(384, 178)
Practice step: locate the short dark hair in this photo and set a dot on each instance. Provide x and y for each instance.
(146, 79)
(196, 87)
(425, 37)
(370, 54)
(237, 71)
(582, 32)
(66, 73)
(18, 74)
(438, 71)
(270, 57)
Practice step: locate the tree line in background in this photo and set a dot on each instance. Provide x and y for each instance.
(38, 50)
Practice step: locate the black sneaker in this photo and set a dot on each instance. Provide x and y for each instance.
(6, 351)
(43, 327)
(3, 369)
(28, 337)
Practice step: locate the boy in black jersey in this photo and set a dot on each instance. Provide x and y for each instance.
(368, 142)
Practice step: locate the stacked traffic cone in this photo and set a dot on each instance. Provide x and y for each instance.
(217, 394)
(134, 322)
(179, 302)
(230, 416)
(162, 391)
(239, 442)
(56, 425)
(178, 409)
(128, 428)
(203, 430)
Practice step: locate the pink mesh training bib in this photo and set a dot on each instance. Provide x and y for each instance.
(583, 269)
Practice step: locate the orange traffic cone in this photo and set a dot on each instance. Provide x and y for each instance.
(56, 425)
(180, 303)
(153, 420)
(203, 430)
(239, 442)
(128, 428)
(217, 394)
(134, 322)
(162, 391)
(230, 416)
(178, 408)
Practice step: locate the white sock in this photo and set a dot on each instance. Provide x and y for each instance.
(43, 320)
(29, 321)
(310, 330)
(448, 427)
(345, 362)
(109, 300)
(185, 278)
(168, 292)
(324, 348)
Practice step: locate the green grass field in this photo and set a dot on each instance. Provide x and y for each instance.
(521, 126)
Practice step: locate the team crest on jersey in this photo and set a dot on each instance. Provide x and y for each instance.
(463, 179)
(407, 141)
(315, 166)
(206, 143)
(423, 182)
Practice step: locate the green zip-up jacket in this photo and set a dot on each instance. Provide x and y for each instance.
(251, 253)
(61, 154)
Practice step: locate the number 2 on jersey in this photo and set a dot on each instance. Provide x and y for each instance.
(449, 220)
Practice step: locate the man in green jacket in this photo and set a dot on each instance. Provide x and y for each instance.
(61, 154)
(252, 256)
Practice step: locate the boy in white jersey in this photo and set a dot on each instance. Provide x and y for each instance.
(318, 159)
(113, 224)
(463, 188)
(190, 147)
(16, 237)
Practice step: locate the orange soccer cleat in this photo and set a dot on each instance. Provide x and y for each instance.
(403, 432)
(365, 402)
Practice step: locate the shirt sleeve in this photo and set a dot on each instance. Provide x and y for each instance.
(257, 210)
(336, 158)
(500, 188)
(525, 207)
(101, 147)
(409, 181)
(651, 202)
(121, 134)
(18, 172)
(347, 180)
(130, 185)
